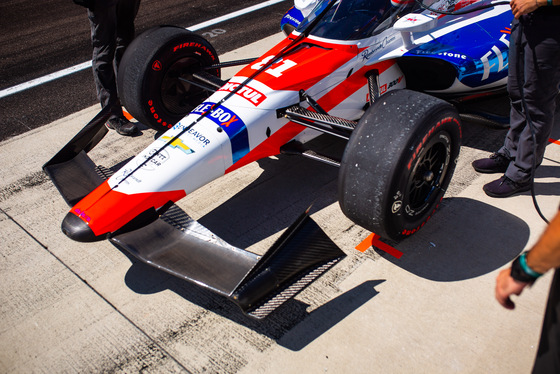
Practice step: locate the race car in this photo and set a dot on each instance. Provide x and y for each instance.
(381, 74)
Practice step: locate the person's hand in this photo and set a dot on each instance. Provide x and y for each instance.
(507, 286)
(521, 7)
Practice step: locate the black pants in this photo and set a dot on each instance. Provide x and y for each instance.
(537, 59)
(112, 30)
(548, 355)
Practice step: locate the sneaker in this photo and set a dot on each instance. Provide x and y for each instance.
(122, 126)
(505, 187)
(496, 163)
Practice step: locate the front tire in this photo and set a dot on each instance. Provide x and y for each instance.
(398, 163)
(151, 71)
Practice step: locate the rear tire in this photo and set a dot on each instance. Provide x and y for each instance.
(398, 163)
(149, 75)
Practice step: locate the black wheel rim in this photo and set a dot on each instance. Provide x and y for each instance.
(428, 174)
(177, 94)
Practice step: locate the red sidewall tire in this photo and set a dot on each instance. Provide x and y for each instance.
(150, 73)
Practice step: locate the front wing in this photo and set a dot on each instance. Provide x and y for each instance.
(181, 246)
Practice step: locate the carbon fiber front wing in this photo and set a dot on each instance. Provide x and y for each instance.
(181, 246)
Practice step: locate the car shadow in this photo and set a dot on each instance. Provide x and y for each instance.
(287, 186)
(291, 325)
(465, 240)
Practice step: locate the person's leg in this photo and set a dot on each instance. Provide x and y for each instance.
(536, 68)
(103, 36)
(542, 78)
(126, 14)
(499, 161)
(516, 116)
(548, 354)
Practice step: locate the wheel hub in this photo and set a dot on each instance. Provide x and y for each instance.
(428, 176)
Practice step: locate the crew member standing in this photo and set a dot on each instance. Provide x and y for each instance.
(112, 30)
(538, 22)
(533, 80)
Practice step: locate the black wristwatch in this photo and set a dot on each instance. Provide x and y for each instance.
(521, 272)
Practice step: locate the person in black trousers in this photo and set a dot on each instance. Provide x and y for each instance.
(534, 74)
(524, 271)
(540, 43)
(112, 30)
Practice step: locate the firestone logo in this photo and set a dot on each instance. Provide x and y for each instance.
(246, 92)
(156, 66)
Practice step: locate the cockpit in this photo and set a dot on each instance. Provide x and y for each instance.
(355, 19)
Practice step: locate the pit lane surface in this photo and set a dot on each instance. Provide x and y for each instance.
(41, 39)
(73, 307)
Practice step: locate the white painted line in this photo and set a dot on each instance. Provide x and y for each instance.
(47, 78)
(235, 14)
(85, 65)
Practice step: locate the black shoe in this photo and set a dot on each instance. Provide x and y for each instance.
(122, 126)
(505, 187)
(496, 163)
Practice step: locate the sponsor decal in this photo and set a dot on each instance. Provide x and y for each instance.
(397, 202)
(378, 46)
(253, 96)
(410, 232)
(387, 86)
(199, 137)
(367, 54)
(195, 135)
(453, 55)
(156, 66)
(396, 206)
(156, 161)
(82, 214)
(426, 137)
(495, 55)
(232, 125)
(156, 116)
(194, 45)
(177, 143)
(127, 174)
(295, 20)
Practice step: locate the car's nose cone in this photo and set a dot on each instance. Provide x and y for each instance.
(77, 229)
